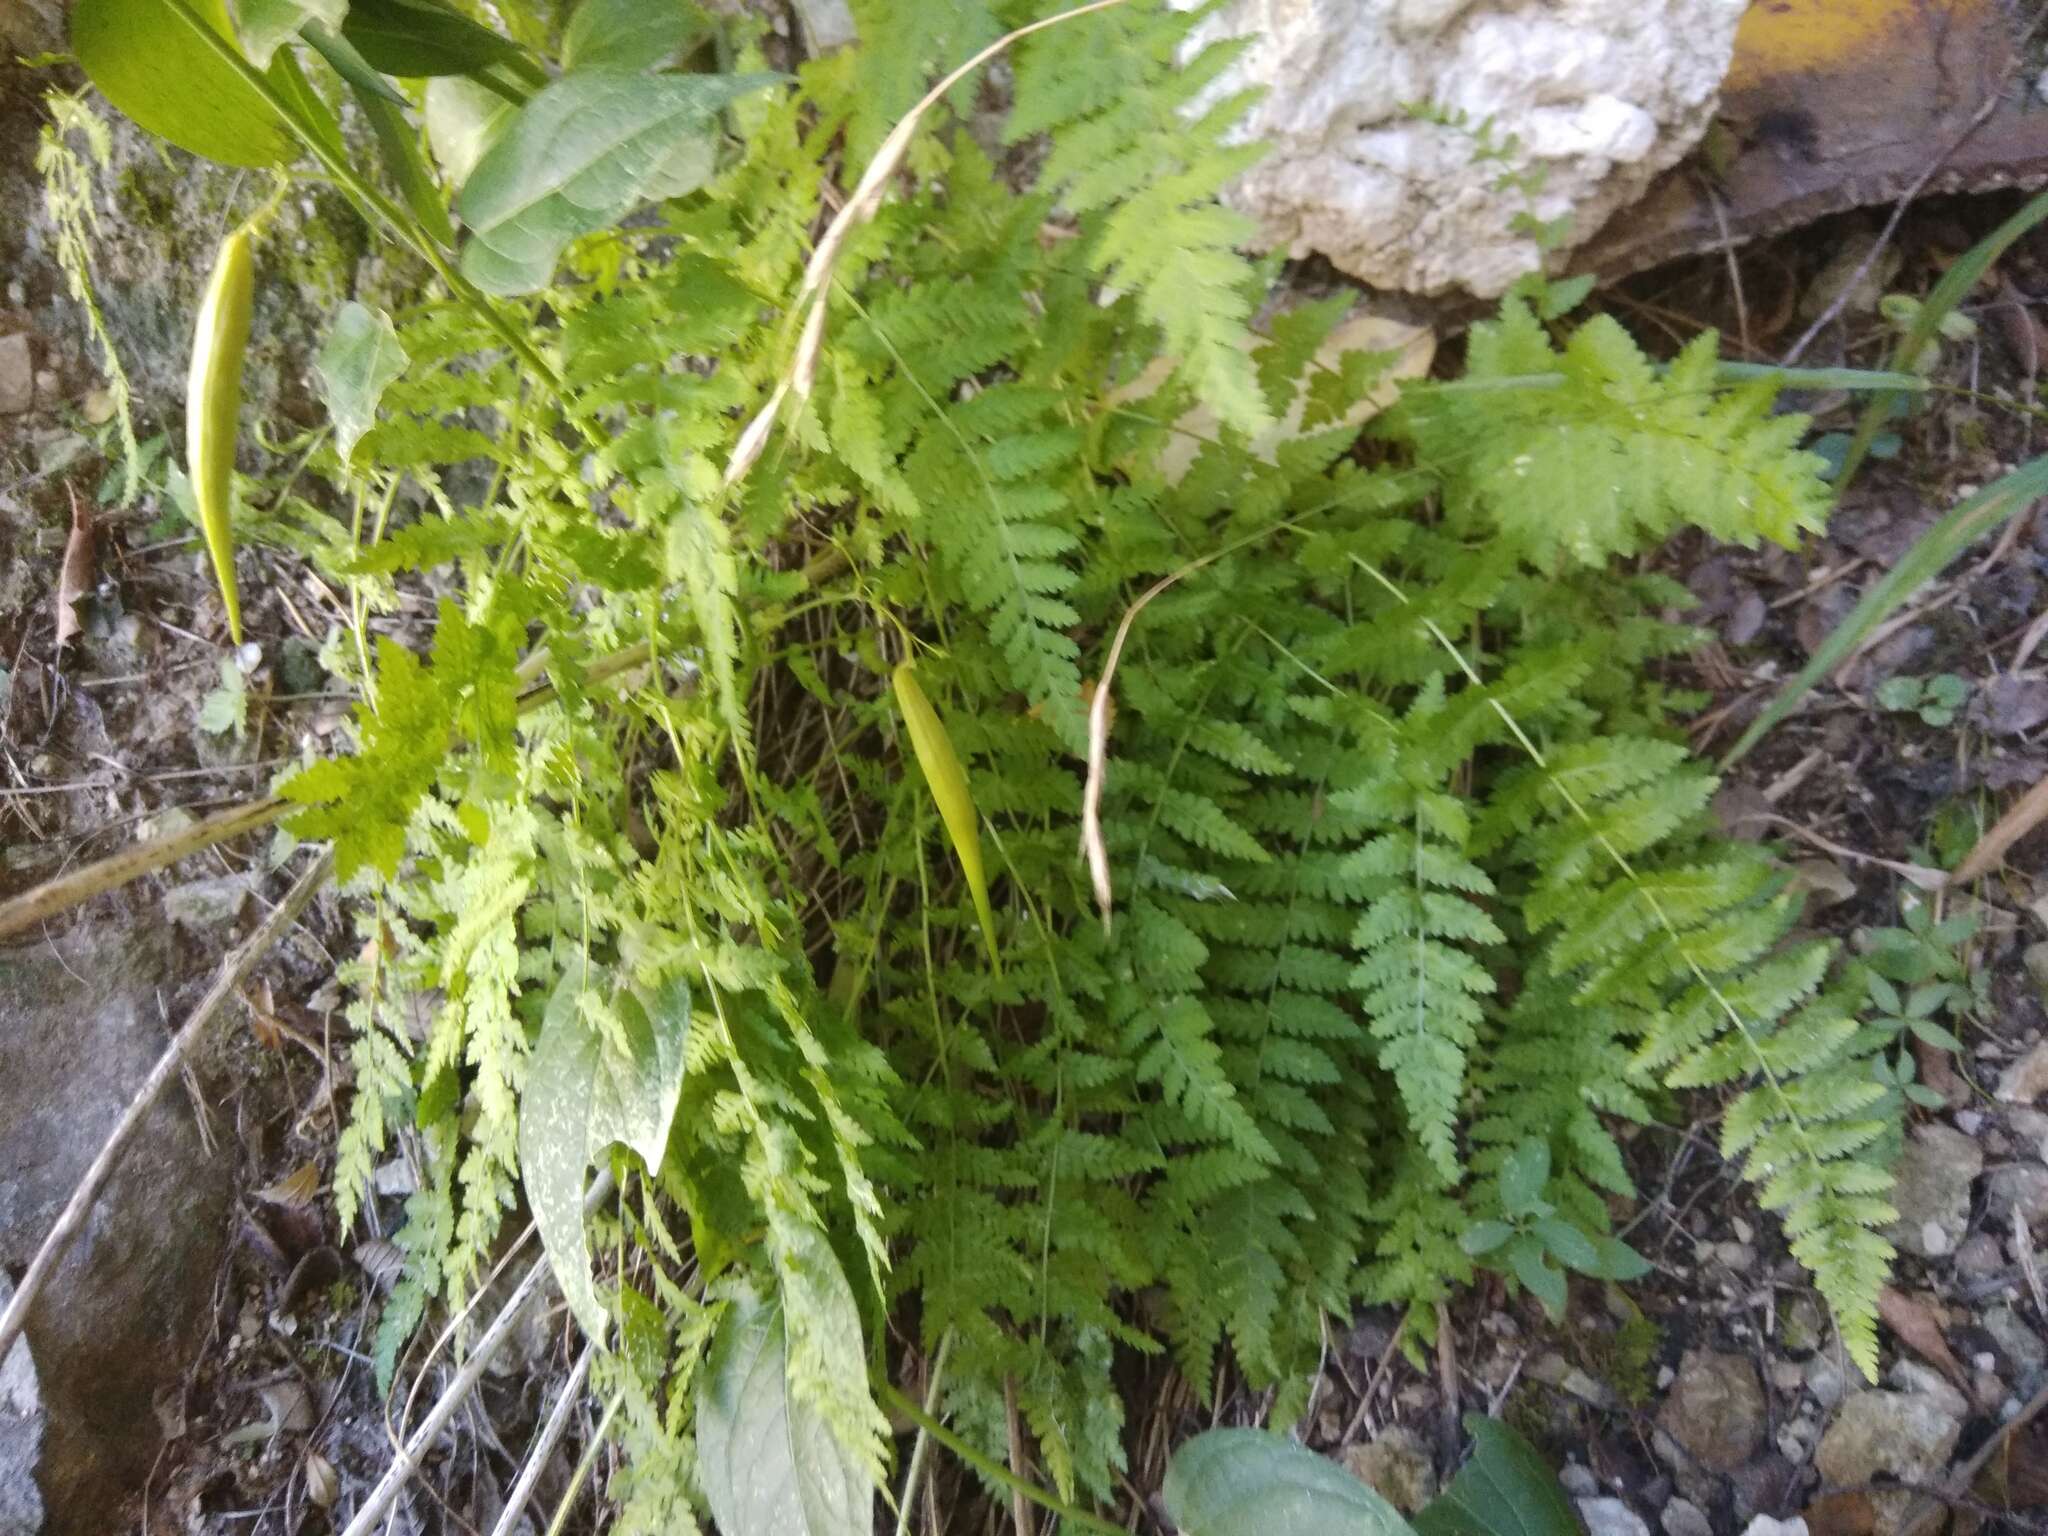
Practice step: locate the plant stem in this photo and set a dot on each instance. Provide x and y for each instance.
(353, 182)
(931, 1404)
(994, 1471)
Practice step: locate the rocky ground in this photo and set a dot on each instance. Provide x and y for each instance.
(206, 1367)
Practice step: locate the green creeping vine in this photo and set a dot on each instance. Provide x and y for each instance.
(1415, 890)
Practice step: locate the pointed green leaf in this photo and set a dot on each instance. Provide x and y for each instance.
(769, 1464)
(418, 38)
(1505, 1489)
(579, 156)
(1250, 1482)
(360, 360)
(947, 780)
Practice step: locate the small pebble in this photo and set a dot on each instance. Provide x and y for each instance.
(1578, 1481)
(1682, 1517)
(1969, 1121)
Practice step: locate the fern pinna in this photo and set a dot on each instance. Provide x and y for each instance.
(1414, 888)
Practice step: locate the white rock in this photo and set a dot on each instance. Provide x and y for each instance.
(1599, 96)
(1682, 1517)
(1764, 1525)
(1611, 1517)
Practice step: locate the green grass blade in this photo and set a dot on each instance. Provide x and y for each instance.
(1954, 286)
(1983, 513)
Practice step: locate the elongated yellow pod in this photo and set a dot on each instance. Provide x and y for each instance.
(213, 401)
(948, 783)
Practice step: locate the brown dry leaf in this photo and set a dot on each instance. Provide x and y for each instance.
(1918, 1326)
(296, 1190)
(1841, 1514)
(75, 579)
(2026, 814)
(380, 1259)
(1938, 1072)
(262, 1006)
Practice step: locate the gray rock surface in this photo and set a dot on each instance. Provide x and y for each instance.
(2021, 1187)
(1891, 1434)
(127, 1311)
(1599, 95)
(21, 1436)
(1935, 1173)
(17, 374)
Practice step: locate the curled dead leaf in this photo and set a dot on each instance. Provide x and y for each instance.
(1918, 1326)
(322, 1486)
(295, 1191)
(75, 579)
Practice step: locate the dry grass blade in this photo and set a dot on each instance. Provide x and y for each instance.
(2026, 813)
(1092, 846)
(75, 579)
(859, 207)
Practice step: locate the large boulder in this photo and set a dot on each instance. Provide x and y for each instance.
(1589, 98)
(81, 1022)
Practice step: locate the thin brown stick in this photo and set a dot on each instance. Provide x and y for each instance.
(1020, 1503)
(233, 970)
(66, 891)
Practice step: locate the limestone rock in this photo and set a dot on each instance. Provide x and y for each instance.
(127, 1309)
(1599, 96)
(1611, 1517)
(1682, 1517)
(1396, 1466)
(1904, 1435)
(21, 1436)
(2026, 1079)
(1936, 1170)
(1715, 1412)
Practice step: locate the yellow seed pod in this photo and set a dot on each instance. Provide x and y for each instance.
(213, 401)
(948, 783)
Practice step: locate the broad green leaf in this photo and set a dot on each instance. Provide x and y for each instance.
(947, 780)
(1250, 1482)
(1547, 1285)
(586, 1090)
(1568, 1245)
(463, 120)
(359, 362)
(578, 157)
(148, 61)
(630, 34)
(1484, 1236)
(768, 1462)
(1505, 1489)
(1523, 1176)
(264, 25)
(422, 37)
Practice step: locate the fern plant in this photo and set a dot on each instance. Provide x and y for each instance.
(1414, 890)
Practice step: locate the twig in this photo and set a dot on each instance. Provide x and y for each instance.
(544, 1446)
(409, 1456)
(233, 970)
(1020, 1505)
(108, 874)
(924, 1440)
(1447, 1373)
